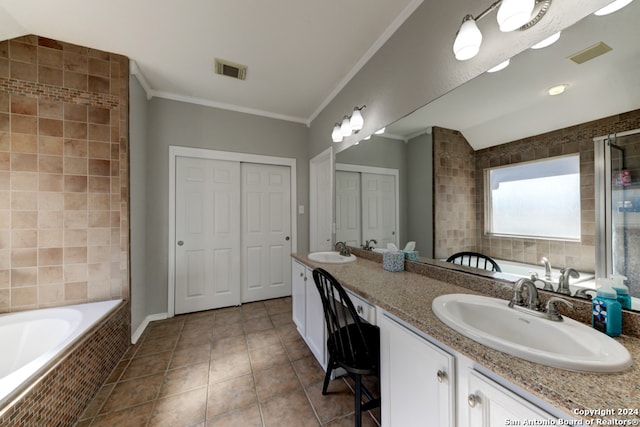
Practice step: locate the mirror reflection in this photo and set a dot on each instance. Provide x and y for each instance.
(439, 155)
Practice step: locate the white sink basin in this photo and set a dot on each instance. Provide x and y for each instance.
(567, 344)
(331, 257)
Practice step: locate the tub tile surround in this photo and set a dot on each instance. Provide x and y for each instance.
(408, 295)
(459, 192)
(63, 174)
(61, 395)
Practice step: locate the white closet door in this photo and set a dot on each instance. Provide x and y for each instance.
(348, 207)
(378, 208)
(266, 231)
(207, 270)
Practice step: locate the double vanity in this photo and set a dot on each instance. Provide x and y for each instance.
(432, 372)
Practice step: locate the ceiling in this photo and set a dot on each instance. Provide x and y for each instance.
(299, 53)
(496, 108)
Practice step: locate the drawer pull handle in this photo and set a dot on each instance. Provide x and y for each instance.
(442, 376)
(473, 400)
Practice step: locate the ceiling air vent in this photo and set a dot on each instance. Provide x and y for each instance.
(589, 53)
(230, 69)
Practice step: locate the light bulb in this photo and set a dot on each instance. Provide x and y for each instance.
(547, 42)
(468, 40)
(336, 135)
(380, 131)
(356, 122)
(345, 128)
(612, 7)
(500, 66)
(513, 14)
(557, 90)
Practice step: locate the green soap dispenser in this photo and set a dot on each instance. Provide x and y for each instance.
(607, 312)
(621, 290)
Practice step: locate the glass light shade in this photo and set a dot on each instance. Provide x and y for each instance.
(345, 128)
(513, 14)
(547, 42)
(356, 121)
(380, 131)
(366, 138)
(612, 7)
(468, 40)
(500, 66)
(336, 135)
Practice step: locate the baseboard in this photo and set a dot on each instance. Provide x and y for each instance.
(150, 318)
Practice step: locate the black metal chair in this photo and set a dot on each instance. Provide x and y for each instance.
(474, 259)
(353, 344)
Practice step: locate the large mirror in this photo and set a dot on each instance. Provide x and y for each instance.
(422, 180)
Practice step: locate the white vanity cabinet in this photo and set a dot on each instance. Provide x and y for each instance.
(425, 383)
(490, 404)
(417, 379)
(300, 274)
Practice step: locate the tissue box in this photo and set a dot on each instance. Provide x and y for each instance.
(411, 255)
(393, 261)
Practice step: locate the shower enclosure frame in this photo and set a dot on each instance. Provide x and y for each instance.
(604, 200)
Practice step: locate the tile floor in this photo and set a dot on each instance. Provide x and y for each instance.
(238, 366)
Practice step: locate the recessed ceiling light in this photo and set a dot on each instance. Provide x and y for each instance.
(547, 42)
(612, 7)
(557, 89)
(500, 66)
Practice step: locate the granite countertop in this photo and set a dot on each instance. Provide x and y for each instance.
(409, 296)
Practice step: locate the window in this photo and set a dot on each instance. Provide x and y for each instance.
(534, 199)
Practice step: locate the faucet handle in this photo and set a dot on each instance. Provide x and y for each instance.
(552, 308)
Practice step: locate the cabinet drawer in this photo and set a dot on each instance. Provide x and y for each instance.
(365, 310)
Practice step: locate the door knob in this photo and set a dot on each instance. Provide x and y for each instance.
(180, 243)
(442, 375)
(473, 400)
(286, 238)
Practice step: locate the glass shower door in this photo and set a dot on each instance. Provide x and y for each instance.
(618, 200)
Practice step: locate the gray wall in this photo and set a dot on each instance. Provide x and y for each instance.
(189, 125)
(420, 189)
(416, 65)
(138, 201)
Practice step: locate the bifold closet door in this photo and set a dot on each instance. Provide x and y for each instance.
(266, 231)
(207, 263)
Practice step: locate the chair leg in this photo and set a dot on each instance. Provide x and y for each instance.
(358, 397)
(327, 376)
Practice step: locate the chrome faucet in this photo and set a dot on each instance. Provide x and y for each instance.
(367, 244)
(563, 281)
(547, 267)
(532, 305)
(533, 301)
(343, 248)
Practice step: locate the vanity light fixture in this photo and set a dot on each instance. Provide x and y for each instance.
(348, 125)
(557, 89)
(500, 66)
(512, 15)
(612, 7)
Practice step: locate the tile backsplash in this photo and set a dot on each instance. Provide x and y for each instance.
(64, 229)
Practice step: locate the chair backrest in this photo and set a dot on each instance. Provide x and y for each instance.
(349, 344)
(474, 259)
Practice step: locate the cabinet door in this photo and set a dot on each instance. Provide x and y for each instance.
(316, 330)
(298, 291)
(490, 404)
(416, 379)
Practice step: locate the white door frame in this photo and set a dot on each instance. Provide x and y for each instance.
(380, 171)
(314, 202)
(201, 153)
